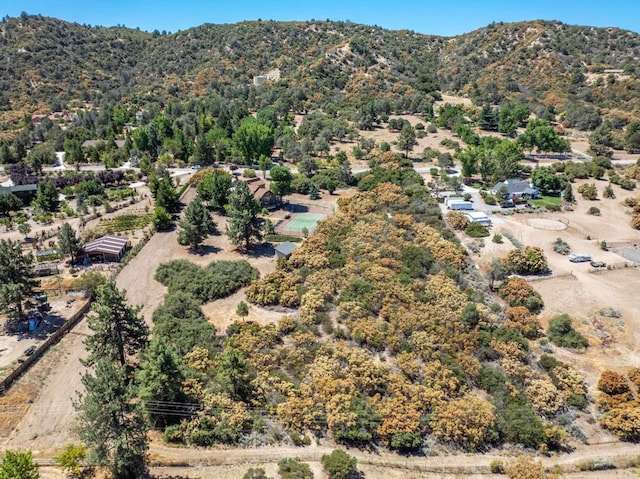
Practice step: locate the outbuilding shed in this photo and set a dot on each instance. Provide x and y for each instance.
(106, 248)
(478, 217)
(285, 249)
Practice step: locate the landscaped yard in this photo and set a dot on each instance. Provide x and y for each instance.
(547, 201)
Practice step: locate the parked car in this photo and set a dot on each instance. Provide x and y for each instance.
(30, 350)
(598, 264)
(579, 258)
(508, 204)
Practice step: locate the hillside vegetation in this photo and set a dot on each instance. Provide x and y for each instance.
(51, 65)
(389, 342)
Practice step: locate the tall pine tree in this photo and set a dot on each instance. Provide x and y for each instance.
(111, 420)
(118, 332)
(244, 224)
(68, 243)
(160, 381)
(196, 224)
(16, 275)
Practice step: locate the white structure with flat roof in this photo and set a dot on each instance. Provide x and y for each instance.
(478, 217)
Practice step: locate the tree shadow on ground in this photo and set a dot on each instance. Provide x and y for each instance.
(205, 250)
(297, 208)
(262, 250)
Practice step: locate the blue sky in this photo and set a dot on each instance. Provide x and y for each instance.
(440, 17)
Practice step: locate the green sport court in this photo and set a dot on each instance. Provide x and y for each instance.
(303, 220)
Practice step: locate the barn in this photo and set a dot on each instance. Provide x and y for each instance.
(106, 248)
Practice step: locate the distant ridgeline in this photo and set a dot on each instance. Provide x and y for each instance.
(51, 65)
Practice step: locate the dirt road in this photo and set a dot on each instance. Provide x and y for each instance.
(46, 410)
(233, 463)
(47, 416)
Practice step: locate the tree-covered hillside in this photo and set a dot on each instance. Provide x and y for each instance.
(50, 65)
(546, 63)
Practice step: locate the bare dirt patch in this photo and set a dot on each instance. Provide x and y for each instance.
(546, 224)
(39, 405)
(581, 290)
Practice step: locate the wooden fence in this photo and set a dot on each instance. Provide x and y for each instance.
(51, 340)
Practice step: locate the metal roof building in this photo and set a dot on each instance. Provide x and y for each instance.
(285, 249)
(109, 248)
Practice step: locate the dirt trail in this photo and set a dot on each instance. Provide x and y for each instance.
(233, 463)
(47, 418)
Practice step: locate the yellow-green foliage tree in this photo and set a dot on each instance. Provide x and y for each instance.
(524, 467)
(520, 318)
(467, 422)
(530, 260)
(620, 404)
(457, 220)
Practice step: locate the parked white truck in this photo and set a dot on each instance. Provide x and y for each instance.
(579, 258)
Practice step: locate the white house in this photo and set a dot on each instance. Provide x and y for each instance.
(517, 189)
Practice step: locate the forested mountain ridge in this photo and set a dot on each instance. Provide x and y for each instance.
(49, 65)
(546, 62)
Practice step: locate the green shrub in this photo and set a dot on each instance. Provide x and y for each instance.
(548, 363)
(505, 334)
(200, 437)
(579, 401)
(561, 247)
(588, 191)
(490, 199)
(596, 465)
(477, 230)
(294, 469)
(594, 211)
(562, 334)
(255, 473)
(217, 280)
(496, 467)
(405, 441)
(173, 435)
(610, 313)
(520, 424)
(497, 238)
(276, 238)
(492, 380)
(299, 439)
(339, 465)
(452, 144)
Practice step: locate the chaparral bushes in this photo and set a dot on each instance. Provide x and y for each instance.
(530, 260)
(619, 404)
(457, 220)
(382, 275)
(517, 292)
